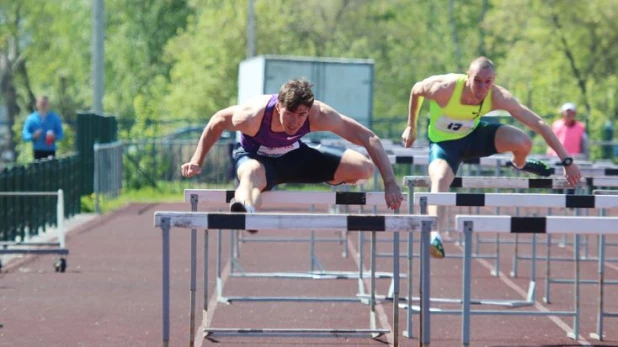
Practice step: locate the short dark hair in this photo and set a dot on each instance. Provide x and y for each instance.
(294, 93)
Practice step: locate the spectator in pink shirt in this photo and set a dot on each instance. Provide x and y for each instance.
(571, 133)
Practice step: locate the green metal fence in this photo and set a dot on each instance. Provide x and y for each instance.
(32, 214)
(91, 129)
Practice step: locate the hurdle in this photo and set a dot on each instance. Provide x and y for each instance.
(517, 183)
(418, 159)
(585, 188)
(28, 247)
(222, 197)
(525, 200)
(584, 202)
(473, 182)
(465, 182)
(469, 224)
(293, 222)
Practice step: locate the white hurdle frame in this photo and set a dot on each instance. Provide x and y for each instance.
(585, 185)
(469, 224)
(588, 203)
(294, 222)
(526, 200)
(222, 197)
(497, 162)
(474, 182)
(60, 246)
(518, 183)
(601, 314)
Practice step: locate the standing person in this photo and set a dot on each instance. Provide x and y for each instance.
(570, 132)
(43, 127)
(457, 102)
(271, 151)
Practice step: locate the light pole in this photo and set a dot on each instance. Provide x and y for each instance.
(98, 55)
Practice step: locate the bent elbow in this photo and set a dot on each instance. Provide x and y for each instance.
(217, 122)
(417, 89)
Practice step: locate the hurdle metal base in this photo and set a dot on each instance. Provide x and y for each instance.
(530, 299)
(230, 299)
(61, 251)
(328, 275)
(22, 244)
(289, 239)
(373, 333)
(504, 303)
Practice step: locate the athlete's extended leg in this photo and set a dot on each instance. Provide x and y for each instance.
(441, 175)
(353, 168)
(252, 180)
(511, 139)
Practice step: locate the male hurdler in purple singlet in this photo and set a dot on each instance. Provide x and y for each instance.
(272, 152)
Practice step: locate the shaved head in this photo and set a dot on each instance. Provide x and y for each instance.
(481, 76)
(481, 63)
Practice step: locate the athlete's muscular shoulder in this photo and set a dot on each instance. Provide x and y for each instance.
(247, 117)
(323, 117)
(437, 87)
(320, 110)
(502, 99)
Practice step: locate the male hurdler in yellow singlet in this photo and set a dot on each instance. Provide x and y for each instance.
(456, 132)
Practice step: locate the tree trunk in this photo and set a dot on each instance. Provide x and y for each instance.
(577, 73)
(20, 68)
(9, 95)
(484, 9)
(454, 34)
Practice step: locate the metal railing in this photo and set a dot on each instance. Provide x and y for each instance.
(108, 166)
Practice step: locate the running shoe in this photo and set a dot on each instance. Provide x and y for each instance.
(435, 246)
(536, 167)
(237, 206)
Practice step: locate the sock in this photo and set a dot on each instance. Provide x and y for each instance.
(517, 167)
(436, 235)
(249, 208)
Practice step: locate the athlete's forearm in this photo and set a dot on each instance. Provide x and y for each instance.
(212, 132)
(416, 100)
(380, 159)
(552, 140)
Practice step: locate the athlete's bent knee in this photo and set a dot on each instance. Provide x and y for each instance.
(367, 169)
(522, 143)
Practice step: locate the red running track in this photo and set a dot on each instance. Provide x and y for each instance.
(111, 293)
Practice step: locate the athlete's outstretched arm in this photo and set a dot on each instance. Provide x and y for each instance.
(503, 100)
(330, 120)
(232, 118)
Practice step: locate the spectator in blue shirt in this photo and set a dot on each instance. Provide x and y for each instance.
(43, 127)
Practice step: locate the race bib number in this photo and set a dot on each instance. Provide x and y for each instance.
(450, 125)
(275, 152)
